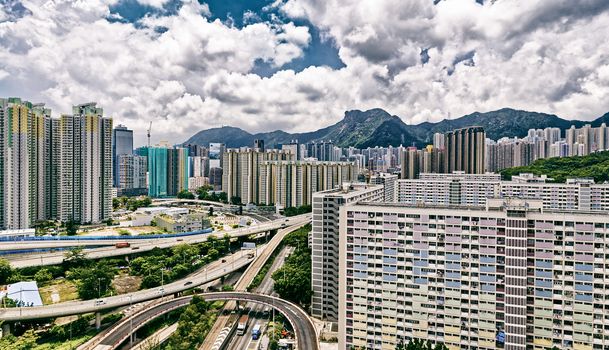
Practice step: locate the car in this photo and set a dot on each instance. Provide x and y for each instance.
(99, 302)
(188, 283)
(223, 260)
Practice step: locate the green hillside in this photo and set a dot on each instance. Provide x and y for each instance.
(594, 166)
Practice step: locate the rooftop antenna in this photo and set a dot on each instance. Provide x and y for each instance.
(149, 128)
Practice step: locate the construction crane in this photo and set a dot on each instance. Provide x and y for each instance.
(149, 128)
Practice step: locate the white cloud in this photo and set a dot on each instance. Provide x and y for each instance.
(154, 3)
(196, 73)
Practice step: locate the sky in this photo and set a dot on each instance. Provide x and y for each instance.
(298, 65)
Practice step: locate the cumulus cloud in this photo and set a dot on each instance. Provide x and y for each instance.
(154, 3)
(420, 60)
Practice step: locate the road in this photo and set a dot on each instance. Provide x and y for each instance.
(306, 336)
(256, 317)
(211, 272)
(146, 245)
(246, 279)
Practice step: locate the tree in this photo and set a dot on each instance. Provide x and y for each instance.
(418, 344)
(6, 271)
(223, 197)
(293, 279)
(43, 275)
(235, 200)
(194, 324)
(185, 194)
(203, 192)
(213, 254)
(93, 282)
(42, 226)
(185, 251)
(26, 341)
(72, 227)
(293, 211)
(75, 257)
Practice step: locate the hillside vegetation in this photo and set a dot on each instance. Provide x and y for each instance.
(595, 166)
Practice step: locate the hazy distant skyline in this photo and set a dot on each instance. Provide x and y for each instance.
(297, 65)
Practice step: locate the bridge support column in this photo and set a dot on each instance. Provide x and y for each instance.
(6, 329)
(97, 320)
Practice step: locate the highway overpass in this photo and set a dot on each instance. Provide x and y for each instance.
(211, 272)
(304, 329)
(250, 273)
(140, 245)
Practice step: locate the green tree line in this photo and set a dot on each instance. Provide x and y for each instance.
(293, 279)
(595, 166)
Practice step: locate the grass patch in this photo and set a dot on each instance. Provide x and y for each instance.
(69, 344)
(66, 290)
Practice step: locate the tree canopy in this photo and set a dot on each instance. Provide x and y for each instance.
(293, 279)
(595, 166)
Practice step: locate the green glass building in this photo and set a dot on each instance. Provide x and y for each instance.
(167, 171)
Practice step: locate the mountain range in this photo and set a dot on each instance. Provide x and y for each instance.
(376, 127)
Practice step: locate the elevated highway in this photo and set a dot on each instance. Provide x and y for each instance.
(140, 245)
(304, 329)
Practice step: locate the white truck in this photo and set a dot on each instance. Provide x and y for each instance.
(242, 324)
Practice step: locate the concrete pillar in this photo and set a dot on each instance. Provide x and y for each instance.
(97, 320)
(6, 329)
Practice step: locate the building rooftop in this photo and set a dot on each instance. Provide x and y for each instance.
(24, 293)
(348, 189)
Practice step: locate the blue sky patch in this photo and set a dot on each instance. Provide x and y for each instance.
(239, 14)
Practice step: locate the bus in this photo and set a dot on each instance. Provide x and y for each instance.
(256, 333)
(242, 325)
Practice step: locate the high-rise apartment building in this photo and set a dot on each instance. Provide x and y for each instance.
(416, 161)
(197, 166)
(168, 170)
(322, 151)
(53, 168)
(132, 170)
(259, 145)
(389, 183)
(506, 275)
(177, 170)
(410, 163)
(465, 150)
(294, 148)
(85, 193)
(19, 160)
(122, 143)
(241, 176)
(196, 150)
(28, 164)
(324, 243)
(157, 171)
(474, 189)
(293, 183)
(215, 178)
(438, 140)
